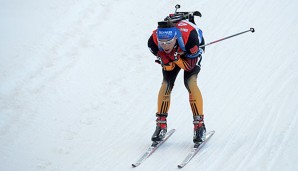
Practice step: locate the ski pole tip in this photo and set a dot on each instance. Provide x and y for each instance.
(252, 30)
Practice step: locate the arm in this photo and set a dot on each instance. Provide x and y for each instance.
(192, 54)
(152, 46)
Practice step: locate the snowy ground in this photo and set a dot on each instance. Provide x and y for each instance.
(78, 86)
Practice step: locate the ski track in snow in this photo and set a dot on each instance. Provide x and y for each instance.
(78, 86)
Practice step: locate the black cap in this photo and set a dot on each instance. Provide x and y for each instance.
(165, 24)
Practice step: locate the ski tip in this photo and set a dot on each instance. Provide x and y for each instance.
(171, 131)
(180, 167)
(134, 165)
(213, 131)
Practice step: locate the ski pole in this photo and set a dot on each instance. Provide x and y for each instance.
(251, 29)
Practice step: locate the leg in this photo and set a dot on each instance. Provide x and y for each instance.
(164, 97)
(196, 103)
(195, 96)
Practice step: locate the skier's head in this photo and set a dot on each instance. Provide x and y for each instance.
(167, 35)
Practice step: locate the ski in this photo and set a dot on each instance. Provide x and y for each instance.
(152, 148)
(195, 150)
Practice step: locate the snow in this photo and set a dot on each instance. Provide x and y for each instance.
(78, 86)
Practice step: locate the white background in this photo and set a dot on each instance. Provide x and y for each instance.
(78, 86)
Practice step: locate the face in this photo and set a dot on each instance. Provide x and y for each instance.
(167, 45)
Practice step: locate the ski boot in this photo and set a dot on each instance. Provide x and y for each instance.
(199, 129)
(161, 127)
